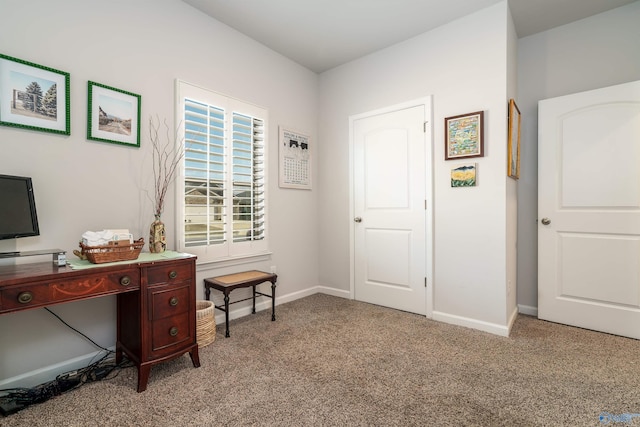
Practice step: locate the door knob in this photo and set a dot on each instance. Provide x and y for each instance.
(546, 221)
(357, 219)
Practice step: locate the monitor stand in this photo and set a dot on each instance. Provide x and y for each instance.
(59, 256)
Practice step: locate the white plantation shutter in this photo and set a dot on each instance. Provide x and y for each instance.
(223, 197)
(248, 178)
(204, 172)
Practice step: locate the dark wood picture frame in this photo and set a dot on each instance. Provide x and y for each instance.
(464, 136)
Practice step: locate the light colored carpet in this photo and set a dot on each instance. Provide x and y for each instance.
(328, 361)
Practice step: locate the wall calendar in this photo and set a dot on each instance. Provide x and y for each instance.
(295, 159)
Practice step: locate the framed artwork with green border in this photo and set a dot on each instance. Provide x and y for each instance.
(34, 97)
(113, 115)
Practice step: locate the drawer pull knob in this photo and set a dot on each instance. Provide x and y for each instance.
(173, 274)
(125, 280)
(173, 301)
(25, 297)
(173, 331)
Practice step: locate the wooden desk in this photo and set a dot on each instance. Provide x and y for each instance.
(156, 303)
(241, 280)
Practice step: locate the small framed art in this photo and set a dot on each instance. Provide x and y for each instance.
(113, 115)
(513, 142)
(464, 175)
(464, 136)
(34, 96)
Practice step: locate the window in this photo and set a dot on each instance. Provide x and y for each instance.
(222, 187)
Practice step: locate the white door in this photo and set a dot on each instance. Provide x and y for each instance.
(391, 235)
(589, 210)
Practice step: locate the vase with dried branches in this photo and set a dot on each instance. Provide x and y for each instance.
(167, 153)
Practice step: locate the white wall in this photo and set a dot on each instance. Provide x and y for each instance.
(467, 66)
(464, 66)
(512, 185)
(599, 51)
(140, 46)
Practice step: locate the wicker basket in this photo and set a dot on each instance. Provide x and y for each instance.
(114, 251)
(205, 323)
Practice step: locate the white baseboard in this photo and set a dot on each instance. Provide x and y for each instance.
(452, 319)
(49, 373)
(265, 304)
(528, 310)
(333, 292)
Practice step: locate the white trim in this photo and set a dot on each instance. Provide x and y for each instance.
(528, 310)
(230, 262)
(340, 293)
(49, 373)
(492, 328)
(265, 304)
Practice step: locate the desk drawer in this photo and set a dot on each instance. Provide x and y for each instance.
(170, 332)
(165, 301)
(169, 274)
(47, 293)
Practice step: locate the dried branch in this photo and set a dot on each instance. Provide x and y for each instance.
(166, 160)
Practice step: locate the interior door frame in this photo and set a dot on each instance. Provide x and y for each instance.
(428, 135)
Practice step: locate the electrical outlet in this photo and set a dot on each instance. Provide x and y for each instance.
(273, 269)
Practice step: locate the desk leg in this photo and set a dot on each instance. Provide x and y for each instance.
(226, 313)
(273, 301)
(118, 352)
(195, 358)
(207, 292)
(143, 377)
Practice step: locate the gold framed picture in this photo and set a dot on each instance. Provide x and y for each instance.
(513, 166)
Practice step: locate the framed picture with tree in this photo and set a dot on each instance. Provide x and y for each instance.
(33, 96)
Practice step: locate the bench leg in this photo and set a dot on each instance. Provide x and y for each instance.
(273, 301)
(254, 300)
(226, 314)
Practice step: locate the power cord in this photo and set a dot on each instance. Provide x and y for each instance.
(15, 399)
(77, 331)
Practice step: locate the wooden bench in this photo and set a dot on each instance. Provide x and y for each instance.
(227, 283)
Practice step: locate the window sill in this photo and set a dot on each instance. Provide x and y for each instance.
(231, 261)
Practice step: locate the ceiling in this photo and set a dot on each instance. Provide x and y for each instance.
(322, 34)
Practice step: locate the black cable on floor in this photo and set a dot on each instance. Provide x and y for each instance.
(15, 399)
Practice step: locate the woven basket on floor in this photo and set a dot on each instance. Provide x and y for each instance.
(205, 323)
